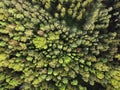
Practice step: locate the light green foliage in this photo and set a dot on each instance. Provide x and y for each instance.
(28, 33)
(82, 88)
(100, 75)
(55, 73)
(53, 36)
(66, 59)
(39, 42)
(50, 70)
(1, 17)
(42, 27)
(74, 82)
(1, 4)
(115, 74)
(14, 82)
(60, 61)
(117, 56)
(65, 80)
(19, 28)
(48, 78)
(35, 82)
(40, 63)
(115, 83)
(23, 46)
(2, 76)
(20, 16)
(2, 43)
(101, 67)
(29, 58)
(3, 56)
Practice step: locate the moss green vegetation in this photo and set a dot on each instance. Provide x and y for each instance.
(59, 44)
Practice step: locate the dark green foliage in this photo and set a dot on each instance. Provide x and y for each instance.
(59, 44)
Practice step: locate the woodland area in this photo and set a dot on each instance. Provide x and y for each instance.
(59, 45)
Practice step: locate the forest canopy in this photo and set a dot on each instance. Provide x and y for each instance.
(60, 44)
